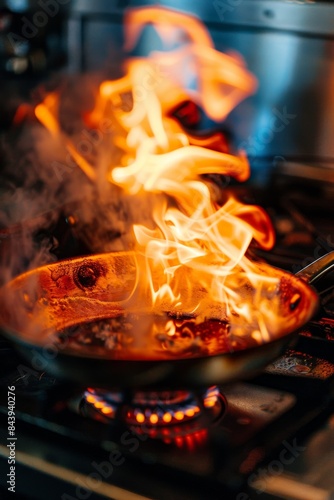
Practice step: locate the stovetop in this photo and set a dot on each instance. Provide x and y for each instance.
(274, 438)
(288, 407)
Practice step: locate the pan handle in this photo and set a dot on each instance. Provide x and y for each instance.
(317, 269)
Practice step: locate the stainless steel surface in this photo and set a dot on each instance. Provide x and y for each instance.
(310, 475)
(20, 6)
(318, 269)
(288, 45)
(300, 16)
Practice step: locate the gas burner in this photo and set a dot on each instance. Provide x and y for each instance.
(165, 414)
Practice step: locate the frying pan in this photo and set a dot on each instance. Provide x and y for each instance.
(36, 304)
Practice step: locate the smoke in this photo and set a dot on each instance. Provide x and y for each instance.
(49, 209)
(28, 202)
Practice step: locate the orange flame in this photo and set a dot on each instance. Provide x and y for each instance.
(196, 254)
(47, 113)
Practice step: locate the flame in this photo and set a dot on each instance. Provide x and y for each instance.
(195, 258)
(47, 113)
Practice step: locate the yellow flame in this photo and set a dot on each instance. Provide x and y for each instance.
(196, 253)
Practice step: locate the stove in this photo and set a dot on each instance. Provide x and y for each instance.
(271, 435)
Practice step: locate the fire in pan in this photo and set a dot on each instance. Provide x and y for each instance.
(186, 306)
(83, 318)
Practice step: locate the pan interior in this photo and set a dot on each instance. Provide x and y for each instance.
(98, 315)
